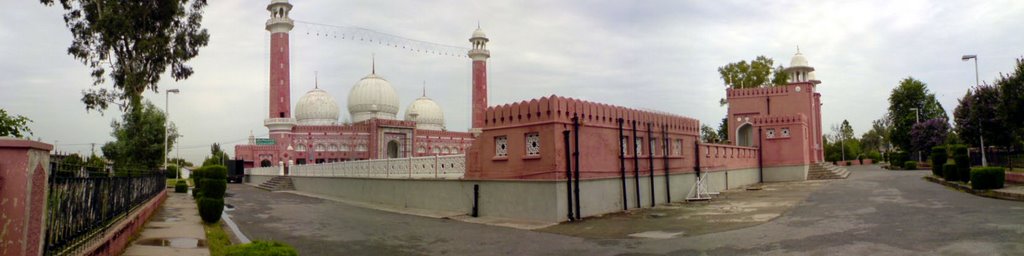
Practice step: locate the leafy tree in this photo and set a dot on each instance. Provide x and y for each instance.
(136, 41)
(871, 141)
(139, 143)
(978, 115)
(1011, 108)
(13, 125)
(845, 130)
(708, 134)
(179, 162)
(756, 73)
(908, 95)
(723, 130)
(928, 134)
(217, 156)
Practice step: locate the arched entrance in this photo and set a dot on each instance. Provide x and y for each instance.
(392, 149)
(745, 135)
(265, 163)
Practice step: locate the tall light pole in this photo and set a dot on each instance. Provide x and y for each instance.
(977, 82)
(917, 120)
(167, 117)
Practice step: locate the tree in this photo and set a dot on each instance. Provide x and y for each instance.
(928, 134)
(908, 95)
(136, 41)
(756, 73)
(723, 130)
(1011, 108)
(139, 140)
(14, 125)
(846, 131)
(708, 134)
(217, 156)
(979, 115)
(179, 162)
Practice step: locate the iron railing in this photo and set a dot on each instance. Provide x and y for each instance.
(80, 208)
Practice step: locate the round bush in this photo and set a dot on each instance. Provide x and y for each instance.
(949, 172)
(215, 172)
(939, 158)
(988, 177)
(963, 163)
(261, 248)
(197, 181)
(180, 187)
(210, 209)
(910, 165)
(214, 188)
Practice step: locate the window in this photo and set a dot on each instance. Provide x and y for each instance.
(501, 146)
(785, 132)
(300, 147)
(625, 141)
(320, 148)
(436, 150)
(421, 150)
(639, 145)
(334, 147)
(533, 144)
(677, 147)
(770, 133)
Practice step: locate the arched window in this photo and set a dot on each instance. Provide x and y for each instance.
(265, 163)
(393, 149)
(745, 135)
(321, 148)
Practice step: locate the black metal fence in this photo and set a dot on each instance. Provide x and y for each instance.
(79, 208)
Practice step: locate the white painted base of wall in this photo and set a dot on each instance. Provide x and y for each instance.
(545, 201)
(786, 173)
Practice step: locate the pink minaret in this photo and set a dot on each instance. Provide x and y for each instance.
(479, 54)
(280, 89)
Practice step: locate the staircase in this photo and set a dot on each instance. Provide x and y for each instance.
(278, 183)
(826, 171)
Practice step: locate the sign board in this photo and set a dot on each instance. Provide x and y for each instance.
(264, 141)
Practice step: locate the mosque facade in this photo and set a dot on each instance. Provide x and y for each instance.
(314, 133)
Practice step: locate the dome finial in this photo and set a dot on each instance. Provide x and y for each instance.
(478, 24)
(373, 63)
(798, 48)
(424, 88)
(316, 80)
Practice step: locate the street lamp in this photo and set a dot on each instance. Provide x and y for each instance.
(977, 82)
(167, 117)
(917, 120)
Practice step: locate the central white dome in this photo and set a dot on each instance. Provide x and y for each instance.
(372, 97)
(316, 108)
(426, 113)
(798, 60)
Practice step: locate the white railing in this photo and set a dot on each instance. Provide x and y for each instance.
(430, 167)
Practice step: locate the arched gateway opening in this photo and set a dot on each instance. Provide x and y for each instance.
(393, 149)
(745, 135)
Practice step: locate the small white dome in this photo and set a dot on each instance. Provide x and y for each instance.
(811, 76)
(798, 61)
(372, 97)
(479, 33)
(316, 108)
(426, 113)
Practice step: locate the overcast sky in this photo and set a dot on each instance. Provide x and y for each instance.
(660, 55)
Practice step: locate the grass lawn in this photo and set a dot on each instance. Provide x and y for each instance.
(170, 182)
(216, 239)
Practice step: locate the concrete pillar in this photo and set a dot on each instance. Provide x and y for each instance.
(24, 168)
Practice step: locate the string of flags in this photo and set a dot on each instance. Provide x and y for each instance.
(380, 38)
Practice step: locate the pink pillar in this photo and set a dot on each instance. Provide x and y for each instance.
(479, 92)
(280, 88)
(24, 165)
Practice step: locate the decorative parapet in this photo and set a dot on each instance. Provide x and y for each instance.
(562, 109)
(279, 124)
(431, 167)
(779, 120)
(727, 157)
(756, 92)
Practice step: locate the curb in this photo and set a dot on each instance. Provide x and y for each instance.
(979, 192)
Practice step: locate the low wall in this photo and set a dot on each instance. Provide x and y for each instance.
(24, 165)
(115, 239)
(786, 173)
(534, 200)
(1014, 177)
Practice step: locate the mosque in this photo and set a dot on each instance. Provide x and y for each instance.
(315, 135)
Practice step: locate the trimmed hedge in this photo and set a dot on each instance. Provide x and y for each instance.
(214, 188)
(910, 165)
(210, 209)
(261, 248)
(949, 172)
(215, 172)
(963, 163)
(197, 181)
(180, 187)
(939, 158)
(897, 158)
(988, 177)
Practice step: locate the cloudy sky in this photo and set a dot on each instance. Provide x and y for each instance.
(660, 55)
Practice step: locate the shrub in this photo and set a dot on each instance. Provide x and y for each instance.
(910, 165)
(939, 158)
(987, 177)
(210, 209)
(875, 156)
(214, 188)
(215, 172)
(963, 163)
(261, 248)
(172, 171)
(897, 158)
(197, 181)
(949, 172)
(180, 186)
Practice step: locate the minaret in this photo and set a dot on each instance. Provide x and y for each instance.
(279, 117)
(479, 54)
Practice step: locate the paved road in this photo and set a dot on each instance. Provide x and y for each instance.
(874, 212)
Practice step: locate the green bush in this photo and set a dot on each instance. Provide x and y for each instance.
(214, 188)
(210, 209)
(172, 171)
(939, 158)
(963, 163)
(897, 158)
(197, 181)
(261, 248)
(180, 187)
(949, 172)
(215, 172)
(875, 156)
(910, 165)
(988, 177)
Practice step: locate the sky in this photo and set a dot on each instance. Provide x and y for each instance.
(657, 55)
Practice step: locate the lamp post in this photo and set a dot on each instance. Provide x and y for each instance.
(917, 120)
(167, 117)
(977, 82)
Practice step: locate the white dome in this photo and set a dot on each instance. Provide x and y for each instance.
(372, 97)
(426, 113)
(479, 33)
(798, 61)
(811, 76)
(316, 108)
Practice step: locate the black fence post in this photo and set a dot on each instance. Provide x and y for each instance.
(568, 173)
(476, 200)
